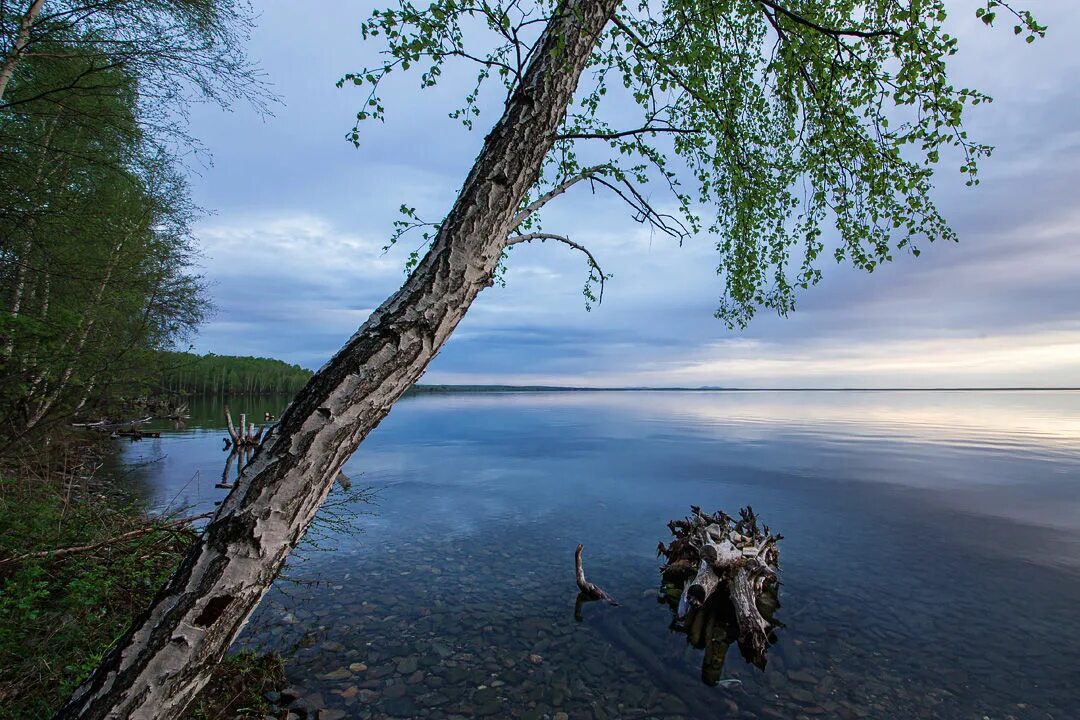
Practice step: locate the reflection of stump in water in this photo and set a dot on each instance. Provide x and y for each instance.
(720, 579)
(243, 454)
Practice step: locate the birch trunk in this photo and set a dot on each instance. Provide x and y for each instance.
(160, 665)
(87, 324)
(22, 256)
(22, 39)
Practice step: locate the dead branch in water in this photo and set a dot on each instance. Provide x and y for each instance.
(588, 589)
(246, 436)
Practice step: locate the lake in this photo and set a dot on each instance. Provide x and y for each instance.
(930, 564)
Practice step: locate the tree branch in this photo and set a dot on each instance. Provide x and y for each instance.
(64, 552)
(541, 236)
(624, 133)
(664, 222)
(555, 192)
(832, 32)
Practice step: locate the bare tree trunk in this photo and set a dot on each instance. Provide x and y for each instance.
(160, 665)
(22, 39)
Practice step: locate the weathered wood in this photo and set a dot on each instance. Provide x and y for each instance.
(108, 424)
(233, 435)
(702, 586)
(246, 437)
(588, 589)
(163, 661)
(744, 589)
(713, 553)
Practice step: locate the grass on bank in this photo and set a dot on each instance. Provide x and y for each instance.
(58, 616)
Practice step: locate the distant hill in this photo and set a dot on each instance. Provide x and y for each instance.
(189, 374)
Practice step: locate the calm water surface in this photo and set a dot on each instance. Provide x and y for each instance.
(930, 566)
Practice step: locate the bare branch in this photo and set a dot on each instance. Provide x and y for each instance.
(645, 212)
(624, 133)
(832, 32)
(555, 192)
(64, 552)
(542, 236)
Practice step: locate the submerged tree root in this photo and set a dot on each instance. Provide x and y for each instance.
(721, 575)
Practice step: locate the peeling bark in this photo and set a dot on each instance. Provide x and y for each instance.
(160, 665)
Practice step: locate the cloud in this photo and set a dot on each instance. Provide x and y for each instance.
(295, 249)
(1053, 358)
(290, 285)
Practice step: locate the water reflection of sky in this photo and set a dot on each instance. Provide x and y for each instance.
(1008, 457)
(930, 522)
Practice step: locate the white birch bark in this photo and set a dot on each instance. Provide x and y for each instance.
(18, 48)
(162, 663)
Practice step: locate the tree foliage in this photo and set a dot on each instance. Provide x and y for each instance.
(181, 52)
(229, 375)
(96, 253)
(787, 129)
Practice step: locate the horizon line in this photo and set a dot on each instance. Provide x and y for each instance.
(720, 388)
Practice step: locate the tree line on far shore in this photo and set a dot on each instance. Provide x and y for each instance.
(188, 374)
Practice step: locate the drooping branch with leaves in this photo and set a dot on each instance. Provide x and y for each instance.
(764, 122)
(783, 129)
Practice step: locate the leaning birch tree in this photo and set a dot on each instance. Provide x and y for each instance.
(788, 129)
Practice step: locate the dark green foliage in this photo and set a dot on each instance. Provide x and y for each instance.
(58, 617)
(792, 130)
(185, 373)
(96, 254)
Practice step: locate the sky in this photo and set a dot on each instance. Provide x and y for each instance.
(293, 243)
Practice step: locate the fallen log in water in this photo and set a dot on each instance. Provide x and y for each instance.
(724, 573)
(110, 424)
(137, 434)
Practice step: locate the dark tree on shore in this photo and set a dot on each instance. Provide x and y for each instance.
(182, 50)
(96, 254)
(767, 120)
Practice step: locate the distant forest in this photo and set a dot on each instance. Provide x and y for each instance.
(189, 374)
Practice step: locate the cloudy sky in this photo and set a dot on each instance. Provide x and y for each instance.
(293, 248)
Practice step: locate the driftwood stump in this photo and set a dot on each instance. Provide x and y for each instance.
(246, 437)
(721, 578)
